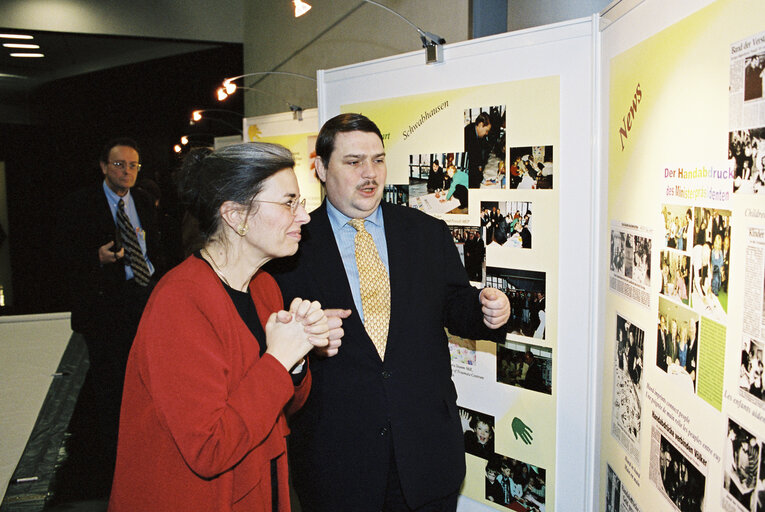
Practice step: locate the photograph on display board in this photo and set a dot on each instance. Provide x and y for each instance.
(675, 275)
(680, 480)
(515, 484)
(678, 225)
(526, 291)
(396, 194)
(461, 351)
(472, 250)
(507, 223)
(754, 77)
(710, 259)
(438, 183)
(618, 498)
(751, 370)
(525, 366)
(478, 430)
(677, 344)
(628, 378)
(531, 167)
(485, 146)
(746, 154)
(630, 262)
(741, 463)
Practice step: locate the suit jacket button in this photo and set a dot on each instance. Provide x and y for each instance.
(386, 374)
(384, 431)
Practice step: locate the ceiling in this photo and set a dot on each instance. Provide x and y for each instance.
(68, 54)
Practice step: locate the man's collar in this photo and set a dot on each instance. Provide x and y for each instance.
(112, 196)
(340, 219)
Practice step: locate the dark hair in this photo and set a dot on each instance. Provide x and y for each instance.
(483, 118)
(325, 142)
(119, 141)
(234, 173)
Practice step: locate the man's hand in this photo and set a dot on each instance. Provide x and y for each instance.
(335, 322)
(495, 307)
(105, 254)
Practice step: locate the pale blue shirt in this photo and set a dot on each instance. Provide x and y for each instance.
(345, 235)
(113, 200)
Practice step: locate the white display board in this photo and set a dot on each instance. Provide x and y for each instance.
(683, 121)
(550, 70)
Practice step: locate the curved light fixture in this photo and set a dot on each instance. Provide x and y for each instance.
(197, 116)
(228, 87)
(433, 43)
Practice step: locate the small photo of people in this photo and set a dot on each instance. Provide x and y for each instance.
(741, 462)
(631, 256)
(677, 344)
(710, 259)
(472, 250)
(525, 366)
(396, 194)
(683, 483)
(485, 146)
(515, 484)
(526, 291)
(531, 167)
(678, 224)
(754, 77)
(461, 350)
(675, 275)
(751, 369)
(507, 223)
(478, 429)
(629, 372)
(746, 156)
(438, 183)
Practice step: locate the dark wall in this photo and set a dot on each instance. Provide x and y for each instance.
(150, 102)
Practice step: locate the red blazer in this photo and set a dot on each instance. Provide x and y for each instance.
(202, 413)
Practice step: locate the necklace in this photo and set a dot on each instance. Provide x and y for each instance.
(215, 266)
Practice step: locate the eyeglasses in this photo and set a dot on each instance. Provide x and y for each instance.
(121, 164)
(292, 204)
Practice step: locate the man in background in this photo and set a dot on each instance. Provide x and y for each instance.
(110, 256)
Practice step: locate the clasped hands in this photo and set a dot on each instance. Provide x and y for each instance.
(291, 334)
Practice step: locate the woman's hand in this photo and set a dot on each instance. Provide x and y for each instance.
(465, 420)
(290, 335)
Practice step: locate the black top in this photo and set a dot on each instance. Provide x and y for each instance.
(249, 314)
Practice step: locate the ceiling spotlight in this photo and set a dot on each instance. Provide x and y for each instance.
(28, 55)
(184, 140)
(177, 148)
(196, 115)
(22, 45)
(300, 8)
(15, 36)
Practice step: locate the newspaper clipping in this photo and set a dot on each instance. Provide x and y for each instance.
(618, 498)
(747, 114)
(630, 265)
(628, 373)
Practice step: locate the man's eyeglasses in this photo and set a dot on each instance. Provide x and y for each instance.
(121, 164)
(292, 204)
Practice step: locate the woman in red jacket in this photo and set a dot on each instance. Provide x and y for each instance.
(217, 364)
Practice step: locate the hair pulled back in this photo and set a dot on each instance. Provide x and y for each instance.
(234, 173)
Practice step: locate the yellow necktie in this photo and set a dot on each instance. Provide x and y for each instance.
(375, 287)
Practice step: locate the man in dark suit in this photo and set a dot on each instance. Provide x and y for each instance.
(107, 290)
(661, 344)
(477, 148)
(381, 432)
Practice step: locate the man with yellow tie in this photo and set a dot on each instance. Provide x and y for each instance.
(380, 430)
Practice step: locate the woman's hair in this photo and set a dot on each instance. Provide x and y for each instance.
(234, 173)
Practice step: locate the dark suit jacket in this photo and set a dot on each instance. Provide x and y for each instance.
(341, 439)
(86, 225)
